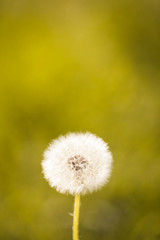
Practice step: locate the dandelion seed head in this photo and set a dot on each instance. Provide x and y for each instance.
(77, 163)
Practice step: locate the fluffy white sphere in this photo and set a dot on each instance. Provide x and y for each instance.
(77, 163)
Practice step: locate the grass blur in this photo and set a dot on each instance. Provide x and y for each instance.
(80, 66)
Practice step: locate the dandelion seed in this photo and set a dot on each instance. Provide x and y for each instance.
(77, 163)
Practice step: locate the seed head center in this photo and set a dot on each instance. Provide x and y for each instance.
(77, 163)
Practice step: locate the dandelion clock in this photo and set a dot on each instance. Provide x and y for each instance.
(77, 163)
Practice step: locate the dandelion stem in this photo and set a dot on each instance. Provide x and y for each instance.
(76, 216)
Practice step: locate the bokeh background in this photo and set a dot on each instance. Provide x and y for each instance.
(80, 66)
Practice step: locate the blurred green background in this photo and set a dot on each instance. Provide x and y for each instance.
(80, 66)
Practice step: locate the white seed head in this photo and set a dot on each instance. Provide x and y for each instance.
(77, 163)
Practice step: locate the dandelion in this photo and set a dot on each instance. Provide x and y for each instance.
(77, 163)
